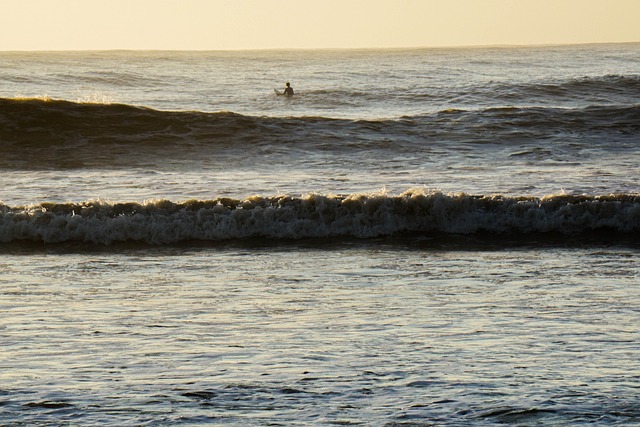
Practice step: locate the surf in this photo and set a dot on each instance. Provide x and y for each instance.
(358, 215)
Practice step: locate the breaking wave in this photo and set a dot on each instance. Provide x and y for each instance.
(414, 212)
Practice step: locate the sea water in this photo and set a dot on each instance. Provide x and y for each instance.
(417, 237)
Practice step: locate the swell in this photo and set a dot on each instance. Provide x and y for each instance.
(364, 216)
(607, 89)
(37, 133)
(33, 131)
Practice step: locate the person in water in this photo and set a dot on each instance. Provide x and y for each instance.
(288, 90)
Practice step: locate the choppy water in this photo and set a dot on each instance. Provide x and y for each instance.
(365, 334)
(417, 237)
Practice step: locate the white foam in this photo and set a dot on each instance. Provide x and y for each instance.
(315, 215)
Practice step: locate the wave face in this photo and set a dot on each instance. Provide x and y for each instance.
(37, 133)
(317, 216)
(596, 90)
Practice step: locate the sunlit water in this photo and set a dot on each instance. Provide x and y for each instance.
(298, 335)
(450, 330)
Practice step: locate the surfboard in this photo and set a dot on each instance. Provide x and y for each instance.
(278, 92)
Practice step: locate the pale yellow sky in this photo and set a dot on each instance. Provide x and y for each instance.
(260, 24)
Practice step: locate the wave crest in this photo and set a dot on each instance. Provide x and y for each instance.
(37, 133)
(317, 216)
(50, 122)
(607, 89)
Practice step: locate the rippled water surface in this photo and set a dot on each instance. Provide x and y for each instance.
(298, 334)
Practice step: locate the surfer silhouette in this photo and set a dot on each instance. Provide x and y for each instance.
(288, 90)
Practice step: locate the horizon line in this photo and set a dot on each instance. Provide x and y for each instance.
(267, 49)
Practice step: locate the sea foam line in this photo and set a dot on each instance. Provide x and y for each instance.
(317, 215)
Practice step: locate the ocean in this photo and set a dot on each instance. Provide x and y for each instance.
(417, 237)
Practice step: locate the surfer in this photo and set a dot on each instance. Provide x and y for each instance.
(288, 90)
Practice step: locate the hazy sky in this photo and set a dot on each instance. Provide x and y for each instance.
(258, 24)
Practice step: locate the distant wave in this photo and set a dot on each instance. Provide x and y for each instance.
(33, 131)
(318, 216)
(607, 89)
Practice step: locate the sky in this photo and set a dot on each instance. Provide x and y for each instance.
(268, 24)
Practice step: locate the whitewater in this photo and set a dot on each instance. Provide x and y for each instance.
(416, 237)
